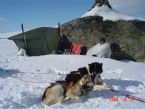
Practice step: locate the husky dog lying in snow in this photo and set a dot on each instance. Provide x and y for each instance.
(95, 70)
(71, 88)
(81, 71)
(76, 84)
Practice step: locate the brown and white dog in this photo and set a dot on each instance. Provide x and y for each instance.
(82, 71)
(71, 88)
(94, 71)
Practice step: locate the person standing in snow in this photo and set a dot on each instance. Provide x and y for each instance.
(102, 49)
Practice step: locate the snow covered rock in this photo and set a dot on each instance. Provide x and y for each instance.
(105, 10)
(125, 32)
(100, 3)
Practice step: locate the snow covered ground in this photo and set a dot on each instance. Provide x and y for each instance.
(108, 14)
(24, 79)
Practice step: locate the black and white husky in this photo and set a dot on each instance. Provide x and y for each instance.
(95, 71)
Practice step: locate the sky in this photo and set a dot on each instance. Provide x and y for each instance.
(38, 13)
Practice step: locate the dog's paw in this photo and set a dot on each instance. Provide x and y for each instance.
(75, 98)
(104, 87)
(66, 98)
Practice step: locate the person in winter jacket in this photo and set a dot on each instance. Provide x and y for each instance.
(102, 49)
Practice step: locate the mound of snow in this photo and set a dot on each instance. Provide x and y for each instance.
(24, 79)
(108, 14)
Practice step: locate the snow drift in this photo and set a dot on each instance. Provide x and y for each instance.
(24, 79)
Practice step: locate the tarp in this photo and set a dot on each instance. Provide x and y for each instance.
(39, 41)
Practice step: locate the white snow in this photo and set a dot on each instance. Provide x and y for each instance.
(22, 52)
(7, 35)
(108, 14)
(24, 79)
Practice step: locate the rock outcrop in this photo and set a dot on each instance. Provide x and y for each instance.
(127, 38)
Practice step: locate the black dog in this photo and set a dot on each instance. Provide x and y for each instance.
(76, 75)
(95, 70)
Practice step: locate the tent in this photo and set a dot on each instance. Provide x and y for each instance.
(39, 41)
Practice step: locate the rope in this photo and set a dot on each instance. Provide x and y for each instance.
(29, 81)
(20, 79)
(136, 98)
(130, 96)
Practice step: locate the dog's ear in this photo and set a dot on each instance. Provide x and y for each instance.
(89, 65)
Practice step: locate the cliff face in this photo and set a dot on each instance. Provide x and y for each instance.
(127, 38)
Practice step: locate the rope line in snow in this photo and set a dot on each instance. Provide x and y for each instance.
(130, 96)
(29, 81)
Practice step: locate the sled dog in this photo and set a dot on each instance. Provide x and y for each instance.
(71, 88)
(81, 71)
(95, 70)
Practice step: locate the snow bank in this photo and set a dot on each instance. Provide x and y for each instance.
(108, 14)
(24, 79)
